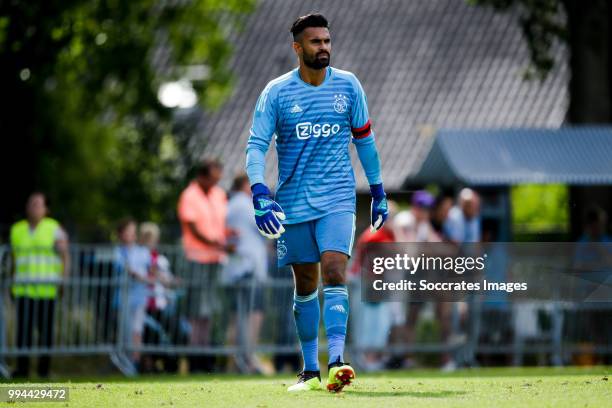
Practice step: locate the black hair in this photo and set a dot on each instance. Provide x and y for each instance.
(304, 22)
(207, 165)
(440, 198)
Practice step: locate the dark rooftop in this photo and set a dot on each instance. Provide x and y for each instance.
(489, 157)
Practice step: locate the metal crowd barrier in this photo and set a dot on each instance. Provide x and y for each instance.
(93, 314)
(203, 317)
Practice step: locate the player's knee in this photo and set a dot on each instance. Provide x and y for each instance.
(334, 273)
(305, 287)
(306, 280)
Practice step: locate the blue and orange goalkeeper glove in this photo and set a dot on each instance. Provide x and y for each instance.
(379, 210)
(268, 213)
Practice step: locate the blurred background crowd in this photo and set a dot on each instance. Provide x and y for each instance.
(492, 122)
(201, 306)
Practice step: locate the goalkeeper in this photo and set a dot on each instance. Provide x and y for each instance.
(314, 111)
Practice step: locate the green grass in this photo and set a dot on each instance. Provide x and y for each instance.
(507, 387)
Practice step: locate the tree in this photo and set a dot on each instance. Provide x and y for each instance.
(79, 116)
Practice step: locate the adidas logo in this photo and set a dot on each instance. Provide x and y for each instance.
(296, 109)
(338, 308)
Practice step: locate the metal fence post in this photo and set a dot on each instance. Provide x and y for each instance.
(120, 357)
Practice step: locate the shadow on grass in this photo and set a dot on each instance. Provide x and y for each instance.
(414, 394)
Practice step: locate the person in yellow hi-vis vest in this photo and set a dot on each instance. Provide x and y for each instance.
(40, 262)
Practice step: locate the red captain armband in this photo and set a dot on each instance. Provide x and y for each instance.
(361, 132)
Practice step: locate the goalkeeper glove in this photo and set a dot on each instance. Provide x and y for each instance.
(267, 212)
(378, 210)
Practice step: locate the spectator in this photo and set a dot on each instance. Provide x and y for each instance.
(202, 209)
(134, 260)
(404, 227)
(4, 280)
(162, 324)
(40, 252)
(463, 222)
(415, 225)
(462, 225)
(376, 318)
(593, 257)
(439, 214)
(595, 222)
(160, 293)
(590, 255)
(246, 269)
(495, 326)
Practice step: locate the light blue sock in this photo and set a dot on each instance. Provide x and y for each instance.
(335, 317)
(307, 315)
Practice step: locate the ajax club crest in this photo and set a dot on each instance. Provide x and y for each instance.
(340, 103)
(281, 249)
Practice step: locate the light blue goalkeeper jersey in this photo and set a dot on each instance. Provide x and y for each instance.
(313, 127)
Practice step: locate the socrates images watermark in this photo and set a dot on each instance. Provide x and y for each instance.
(458, 265)
(495, 272)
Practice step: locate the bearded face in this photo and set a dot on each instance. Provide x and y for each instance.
(314, 47)
(318, 60)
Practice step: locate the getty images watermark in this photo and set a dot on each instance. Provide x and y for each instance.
(495, 272)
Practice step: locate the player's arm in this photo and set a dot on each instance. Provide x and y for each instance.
(363, 139)
(268, 213)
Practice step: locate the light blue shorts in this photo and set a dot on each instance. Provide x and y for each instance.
(304, 242)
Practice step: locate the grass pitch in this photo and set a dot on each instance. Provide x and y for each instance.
(501, 387)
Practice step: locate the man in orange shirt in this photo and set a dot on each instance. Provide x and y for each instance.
(202, 209)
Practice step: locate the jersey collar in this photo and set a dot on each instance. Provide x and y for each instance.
(328, 74)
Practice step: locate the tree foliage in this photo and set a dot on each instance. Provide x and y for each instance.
(80, 118)
(540, 208)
